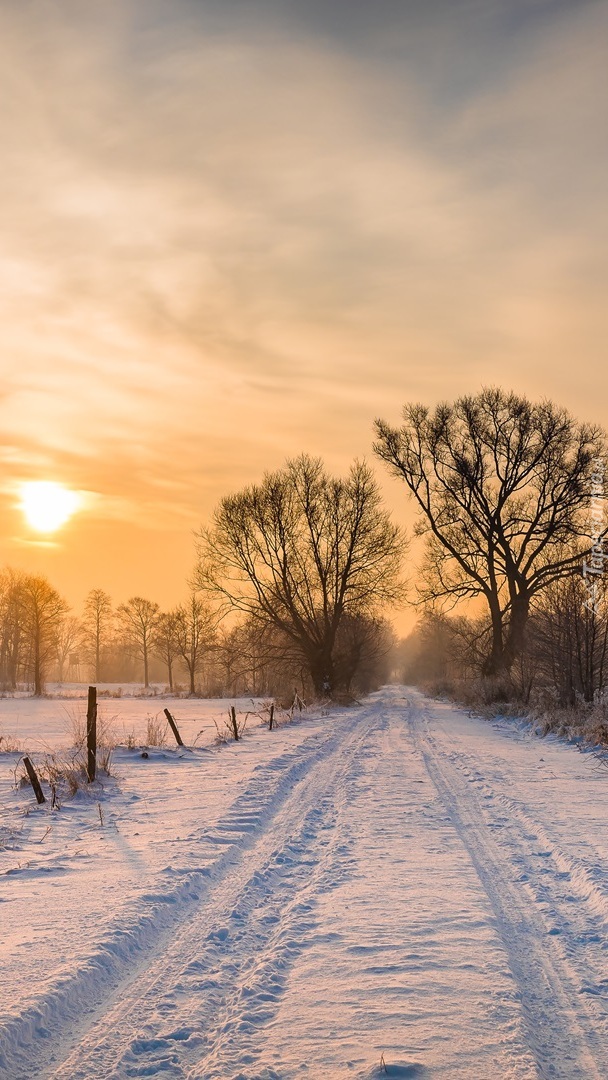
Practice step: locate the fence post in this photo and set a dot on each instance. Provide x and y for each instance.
(235, 726)
(173, 727)
(34, 781)
(92, 734)
(271, 717)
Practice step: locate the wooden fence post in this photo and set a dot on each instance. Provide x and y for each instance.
(34, 781)
(233, 720)
(271, 717)
(92, 734)
(173, 727)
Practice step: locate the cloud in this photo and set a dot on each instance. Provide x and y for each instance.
(233, 231)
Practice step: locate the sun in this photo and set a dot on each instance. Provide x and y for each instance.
(47, 505)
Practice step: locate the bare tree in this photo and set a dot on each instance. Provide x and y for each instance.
(165, 641)
(43, 610)
(502, 486)
(363, 646)
(97, 623)
(300, 551)
(11, 626)
(195, 625)
(68, 639)
(253, 658)
(231, 659)
(569, 640)
(139, 620)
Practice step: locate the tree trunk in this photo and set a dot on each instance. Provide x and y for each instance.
(37, 672)
(494, 664)
(322, 674)
(13, 674)
(514, 645)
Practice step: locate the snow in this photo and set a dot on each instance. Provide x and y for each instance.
(44, 724)
(397, 882)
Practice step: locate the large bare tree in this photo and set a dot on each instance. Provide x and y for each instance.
(300, 551)
(503, 488)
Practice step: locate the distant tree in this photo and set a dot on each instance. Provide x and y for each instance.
(364, 645)
(97, 627)
(68, 640)
(569, 641)
(300, 552)
(139, 620)
(254, 658)
(43, 610)
(229, 654)
(503, 488)
(443, 651)
(165, 641)
(195, 625)
(11, 626)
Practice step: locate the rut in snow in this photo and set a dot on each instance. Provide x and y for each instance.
(397, 881)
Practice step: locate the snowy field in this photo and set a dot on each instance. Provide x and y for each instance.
(47, 723)
(394, 882)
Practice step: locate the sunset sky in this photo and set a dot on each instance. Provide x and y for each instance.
(233, 230)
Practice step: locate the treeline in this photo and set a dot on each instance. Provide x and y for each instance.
(289, 591)
(42, 639)
(186, 649)
(564, 662)
(294, 576)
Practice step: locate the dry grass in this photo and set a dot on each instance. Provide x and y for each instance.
(65, 773)
(9, 744)
(156, 734)
(584, 723)
(156, 730)
(281, 715)
(10, 837)
(76, 727)
(231, 728)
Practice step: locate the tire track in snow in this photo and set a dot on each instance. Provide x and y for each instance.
(572, 893)
(218, 979)
(562, 1031)
(33, 1039)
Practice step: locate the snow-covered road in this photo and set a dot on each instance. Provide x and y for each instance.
(398, 881)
